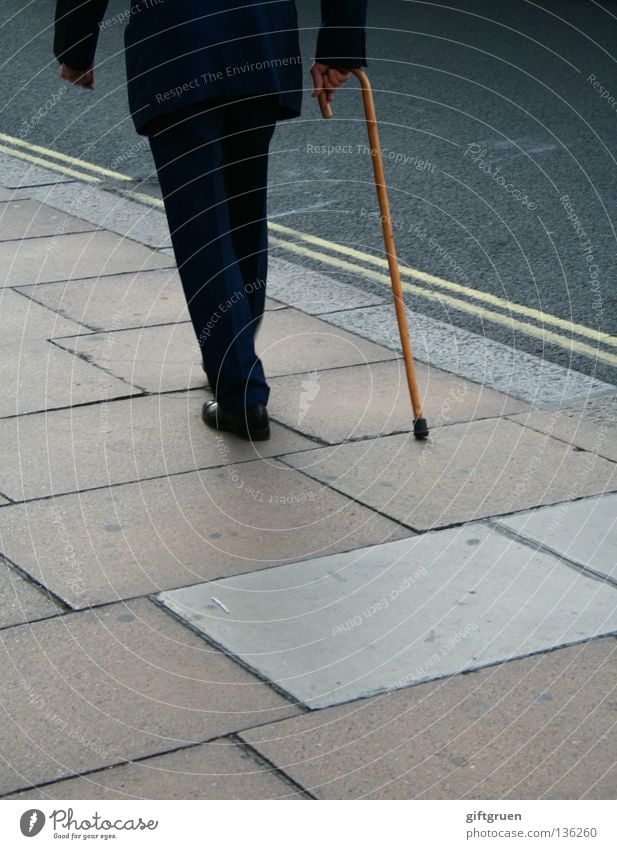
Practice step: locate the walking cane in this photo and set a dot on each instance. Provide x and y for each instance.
(420, 427)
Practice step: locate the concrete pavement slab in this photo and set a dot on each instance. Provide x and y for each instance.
(23, 219)
(463, 472)
(6, 194)
(22, 320)
(163, 358)
(87, 690)
(474, 357)
(591, 425)
(167, 358)
(368, 400)
(40, 376)
(109, 210)
(339, 628)
(132, 539)
(537, 728)
(313, 292)
(584, 531)
(97, 445)
(21, 601)
(72, 256)
(120, 301)
(219, 770)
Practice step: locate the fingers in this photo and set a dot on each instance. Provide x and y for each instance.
(84, 79)
(318, 73)
(328, 79)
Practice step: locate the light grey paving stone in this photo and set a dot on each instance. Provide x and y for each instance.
(343, 627)
(119, 301)
(109, 210)
(73, 256)
(162, 358)
(83, 691)
(218, 770)
(23, 219)
(96, 445)
(537, 728)
(313, 292)
(40, 376)
(129, 540)
(369, 400)
(21, 601)
(584, 531)
(22, 321)
(474, 357)
(6, 194)
(462, 472)
(591, 425)
(167, 358)
(16, 173)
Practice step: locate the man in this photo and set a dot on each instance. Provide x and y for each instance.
(207, 82)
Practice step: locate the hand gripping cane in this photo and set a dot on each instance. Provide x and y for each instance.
(420, 427)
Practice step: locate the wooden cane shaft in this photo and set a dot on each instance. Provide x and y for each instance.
(388, 234)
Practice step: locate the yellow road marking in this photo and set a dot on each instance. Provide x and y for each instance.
(36, 160)
(455, 303)
(463, 306)
(494, 300)
(80, 163)
(151, 201)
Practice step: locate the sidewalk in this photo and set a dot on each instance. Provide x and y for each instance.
(339, 613)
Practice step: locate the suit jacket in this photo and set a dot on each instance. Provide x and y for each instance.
(180, 52)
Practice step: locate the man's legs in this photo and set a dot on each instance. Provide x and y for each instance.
(189, 151)
(249, 126)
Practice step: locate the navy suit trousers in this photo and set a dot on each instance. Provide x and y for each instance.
(212, 165)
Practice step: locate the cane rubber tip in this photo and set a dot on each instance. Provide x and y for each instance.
(420, 428)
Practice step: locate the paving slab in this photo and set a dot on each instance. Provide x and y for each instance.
(120, 301)
(87, 690)
(591, 425)
(584, 531)
(343, 627)
(23, 219)
(312, 292)
(73, 256)
(167, 358)
(6, 194)
(462, 472)
(39, 376)
(369, 400)
(162, 358)
(22, 320)
(109, 210)
(218, 770)
(537, 728)
(21, 601)
(474, 357)
(97, 445)
(129, 540)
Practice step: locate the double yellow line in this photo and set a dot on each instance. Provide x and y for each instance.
(551, 329)
(437, 289)
(79, 169)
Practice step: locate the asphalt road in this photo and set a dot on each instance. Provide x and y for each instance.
(500, 138)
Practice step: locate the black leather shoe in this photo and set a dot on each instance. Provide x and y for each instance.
(254, 424)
